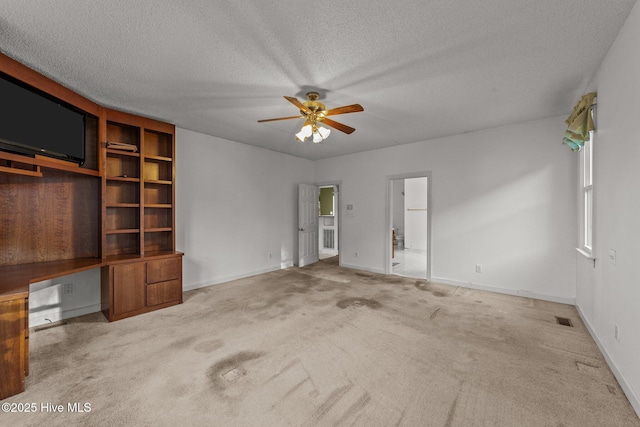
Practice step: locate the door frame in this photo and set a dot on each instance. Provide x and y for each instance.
(388, 268)
(338, 199)
(303, 216)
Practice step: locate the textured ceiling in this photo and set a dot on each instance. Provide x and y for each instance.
(420, 68)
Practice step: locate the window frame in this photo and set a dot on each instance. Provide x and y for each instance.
(586, 197)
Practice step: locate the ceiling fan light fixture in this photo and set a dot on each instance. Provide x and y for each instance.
(324, 132)
(305, 132)
(317, 138)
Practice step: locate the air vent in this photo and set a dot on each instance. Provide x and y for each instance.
(564, 321)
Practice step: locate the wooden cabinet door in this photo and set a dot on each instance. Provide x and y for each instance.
(12, 324)
(128, 287)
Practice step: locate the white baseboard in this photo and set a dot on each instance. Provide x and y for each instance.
(516, 292)
(359, 267)
(54, 315)
(229, 278)
(628, 391)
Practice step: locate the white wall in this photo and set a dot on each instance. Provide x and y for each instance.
(504, 198)
(236, 204)
(48, 303)
(610, 294)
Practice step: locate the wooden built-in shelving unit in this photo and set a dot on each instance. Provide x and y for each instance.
(115, 212)
(139, 197)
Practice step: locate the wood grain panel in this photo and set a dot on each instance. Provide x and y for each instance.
(122, 192)
(158, 241)
(122, 244)
(157, 218)
(138, 121)
(162, 292)
(122, 133)
(122, 166)
(55, 217)
(91, 143)
(128, 287)
(157, 170)
(26, 337)
(164, 269)
(157, 193)
(157, 144)
(12, 318)
(122, 218)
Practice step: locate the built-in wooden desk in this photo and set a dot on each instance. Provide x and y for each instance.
(160, 287)
(14, 314)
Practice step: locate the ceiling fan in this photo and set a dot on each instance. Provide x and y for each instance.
(314, 112)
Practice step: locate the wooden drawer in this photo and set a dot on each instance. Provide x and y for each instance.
(163, 270)
(159, 293)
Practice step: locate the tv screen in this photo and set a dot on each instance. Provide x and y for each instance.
(31, 122)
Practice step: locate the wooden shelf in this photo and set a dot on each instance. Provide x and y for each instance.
(157, 230)
(160, 158)
(122, 178)
(124, 231)
(48, 163)
(111, 151)
(155, 181)
(123, 205)
(158, 205)
(19, 171)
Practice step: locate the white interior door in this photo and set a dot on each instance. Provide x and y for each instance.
(307, 224)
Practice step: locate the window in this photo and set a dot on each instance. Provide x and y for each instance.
(327, 201)
(586, 196)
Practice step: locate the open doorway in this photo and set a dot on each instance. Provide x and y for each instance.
(409, 225)
(318, 232)
(328, 222)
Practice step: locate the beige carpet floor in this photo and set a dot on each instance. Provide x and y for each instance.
(326, 346)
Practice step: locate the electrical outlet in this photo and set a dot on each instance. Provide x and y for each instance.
(478, 268)
(67, 288)
(616, 332)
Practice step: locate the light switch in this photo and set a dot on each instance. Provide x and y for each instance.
(350, 210)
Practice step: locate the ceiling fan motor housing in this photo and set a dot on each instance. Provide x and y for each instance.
(313, 104)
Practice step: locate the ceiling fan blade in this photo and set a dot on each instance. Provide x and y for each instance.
(354, 108)
(339, 126)
(280, 118)
(298, 104)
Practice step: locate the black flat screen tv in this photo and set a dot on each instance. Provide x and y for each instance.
(32, 122)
